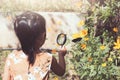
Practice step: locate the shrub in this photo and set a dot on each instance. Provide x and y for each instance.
(96, 56)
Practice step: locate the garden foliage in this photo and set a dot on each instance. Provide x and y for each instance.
(96, 56)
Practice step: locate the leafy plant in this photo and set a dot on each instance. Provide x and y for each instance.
(96, 54)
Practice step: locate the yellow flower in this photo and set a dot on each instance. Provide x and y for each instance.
(81, 23)
(83, 46)
(86, 39)
(76, 35)
(103, 65)
(55, 78)
(117, 44)
(115, 29)
(102, 47)
(110, 59)
(82, 33)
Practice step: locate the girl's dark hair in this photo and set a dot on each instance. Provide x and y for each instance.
(28, 27)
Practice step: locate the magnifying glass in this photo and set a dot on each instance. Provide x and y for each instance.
(61, 39)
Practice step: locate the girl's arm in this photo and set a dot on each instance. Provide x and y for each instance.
(59, 67)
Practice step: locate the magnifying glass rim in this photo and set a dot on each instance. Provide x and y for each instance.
(65, 38)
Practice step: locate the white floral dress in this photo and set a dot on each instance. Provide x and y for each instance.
(16, 67)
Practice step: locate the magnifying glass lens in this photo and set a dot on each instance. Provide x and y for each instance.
(61, 39)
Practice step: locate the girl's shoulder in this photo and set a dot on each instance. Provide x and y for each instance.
(15, 57)
(45, 54)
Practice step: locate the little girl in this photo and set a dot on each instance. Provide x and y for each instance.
(31, 63)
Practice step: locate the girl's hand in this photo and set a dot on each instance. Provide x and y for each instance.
(63, 51)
